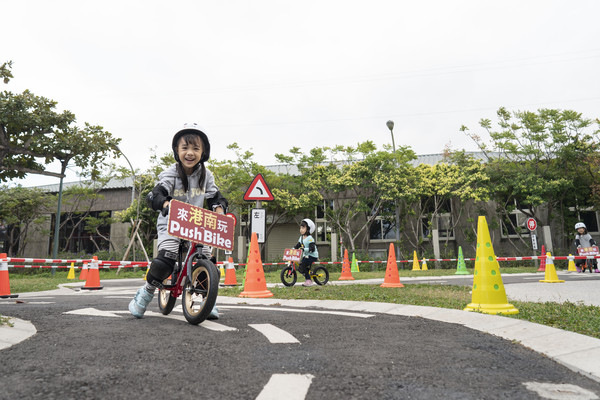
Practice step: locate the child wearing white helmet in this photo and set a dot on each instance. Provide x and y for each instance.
(310, 254)
(584, 239)
(187, 180)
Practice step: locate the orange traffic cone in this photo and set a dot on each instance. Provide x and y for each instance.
(542, 267)
(4, 281)
(392, 279)
(84, 272)
(346, 269)
(230, 279)
(93, 276)
(254, 283)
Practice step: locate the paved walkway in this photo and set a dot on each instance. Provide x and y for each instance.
(578, 352)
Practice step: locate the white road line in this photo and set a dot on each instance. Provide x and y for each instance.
(286, 386)
(93, 312)
(311, 311)
(274, 334)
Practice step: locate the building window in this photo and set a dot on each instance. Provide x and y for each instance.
(590, 219)
(323, 227)
(443, 222)
(383, 228)
(75, 235)
(513, 224)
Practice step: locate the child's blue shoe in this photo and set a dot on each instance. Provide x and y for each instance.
(214, 314)
(137, 306)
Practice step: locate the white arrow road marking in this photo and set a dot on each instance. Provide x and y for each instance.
(286, 386)
(274, 334)
(210, 325)
(94, 312)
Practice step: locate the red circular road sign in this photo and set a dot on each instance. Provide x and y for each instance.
(531, 224)
(232, 216)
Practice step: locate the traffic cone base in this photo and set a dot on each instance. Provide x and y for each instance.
(492, 308)
(255, 284)
(392, 278)
(346, 269)
(550, 275)
(488, 295)
(4, 280)
(93, 276)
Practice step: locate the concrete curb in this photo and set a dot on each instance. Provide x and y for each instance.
(11, 335)
(577, 352)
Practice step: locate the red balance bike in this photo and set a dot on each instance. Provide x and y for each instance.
(590, 262)
(196, 278)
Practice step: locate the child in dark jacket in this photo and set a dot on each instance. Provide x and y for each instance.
(584, 239)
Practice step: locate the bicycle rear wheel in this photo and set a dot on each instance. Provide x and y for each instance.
(288, 276)
(166, 301)
(200, 295)
(320, 275)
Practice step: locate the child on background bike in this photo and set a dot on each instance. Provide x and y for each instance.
(310, 254)
(584, 239)
(187, 180)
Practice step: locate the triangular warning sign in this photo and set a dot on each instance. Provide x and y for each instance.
(258, 190)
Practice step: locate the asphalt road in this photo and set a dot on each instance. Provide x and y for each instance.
(87, 345)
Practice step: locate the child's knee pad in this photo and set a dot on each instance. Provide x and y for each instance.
(161, 267)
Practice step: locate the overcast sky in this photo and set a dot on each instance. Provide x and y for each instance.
(274, 74)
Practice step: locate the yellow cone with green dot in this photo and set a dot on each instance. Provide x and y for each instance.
(550, 275)
(488, 296)
(415, 262)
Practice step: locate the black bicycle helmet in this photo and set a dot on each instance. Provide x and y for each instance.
(192, 129)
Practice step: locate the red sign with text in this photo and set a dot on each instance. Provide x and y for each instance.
(200, 225)
(292, 255)
(588, 251)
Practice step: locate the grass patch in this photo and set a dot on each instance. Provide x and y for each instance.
(5, 321)
(568, 316)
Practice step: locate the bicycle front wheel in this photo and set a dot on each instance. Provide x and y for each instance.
(320, 275)
(200, 295)
(288, 276)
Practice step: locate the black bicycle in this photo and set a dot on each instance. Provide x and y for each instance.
(318, 273)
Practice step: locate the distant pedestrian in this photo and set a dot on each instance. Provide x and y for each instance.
(582, 240)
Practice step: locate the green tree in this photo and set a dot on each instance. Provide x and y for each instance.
(23, 210)
(541, 163)
(360, 181)
(33, 134)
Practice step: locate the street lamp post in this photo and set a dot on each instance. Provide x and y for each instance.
(132, 173)
(390, 125)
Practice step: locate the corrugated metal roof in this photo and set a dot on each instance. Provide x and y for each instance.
(429, 159)
(112, 184)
